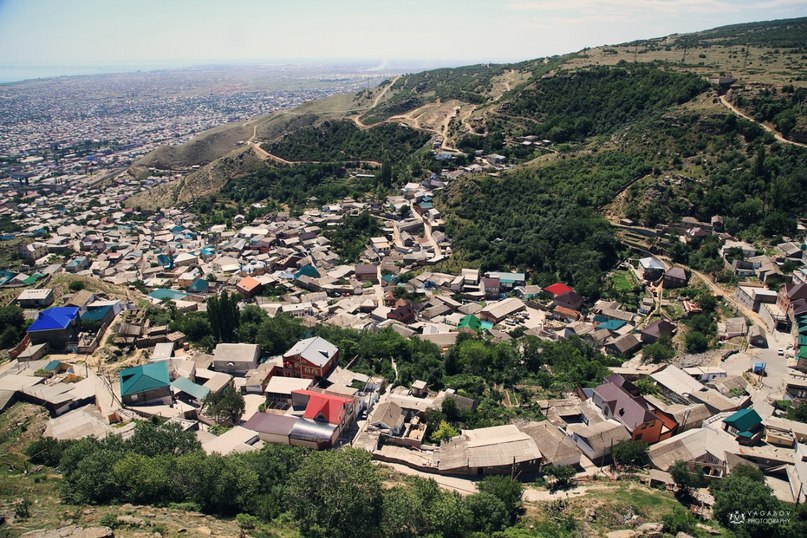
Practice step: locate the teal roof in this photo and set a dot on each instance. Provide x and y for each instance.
(470, 322)
(51, 366)
(189, 387)
(96, 314)
(144, 378)
(612, 325)
(744, 420)
(164, 293)
(803, 352)
(33, 279)
(308, 270)
(199, 285)
(487, 325)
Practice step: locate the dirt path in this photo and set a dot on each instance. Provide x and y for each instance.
(357, 118)
(771, 130)
(744, 310)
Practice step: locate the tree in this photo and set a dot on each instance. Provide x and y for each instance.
(143, 479)
(386, 174)
(738, 498)
(10, 337)
(224, 316)
(630, 453)
(685, 479)
(155, 439)
(92, 481)
(336, 493)
(226, 406)
(696, 342)
(218, 484)
(798, 412)
(444, 432)
(505, 489)
(563, 475)
(488, 513)
(748, 471)
(661, 351)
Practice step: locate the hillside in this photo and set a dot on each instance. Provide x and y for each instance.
(634, 130)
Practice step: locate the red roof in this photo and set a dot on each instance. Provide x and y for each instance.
(558, 288)
(328, 406)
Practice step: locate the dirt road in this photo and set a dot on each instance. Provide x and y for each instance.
(771, 130)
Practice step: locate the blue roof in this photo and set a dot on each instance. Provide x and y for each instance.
(52, 365)
(54, 319)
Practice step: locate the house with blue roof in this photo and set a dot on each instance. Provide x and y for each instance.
(147, 384)
(55, 326)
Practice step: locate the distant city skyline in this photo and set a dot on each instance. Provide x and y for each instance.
(78, 37)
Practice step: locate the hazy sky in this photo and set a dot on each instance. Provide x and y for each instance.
(120, 32)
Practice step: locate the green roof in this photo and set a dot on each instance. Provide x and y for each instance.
(802, 340)
(803, 352)
(744, 420)
(189, 387)
(470, 322)
(144, 378)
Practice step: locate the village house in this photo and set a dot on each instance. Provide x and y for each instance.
(148, 384)
(745, 425)
(325, 418)
(35, 298)
(675, 277)
(56, 326)
(650, 269)
(620, 399)
(312, 358)
(596, 440)
(236, 359)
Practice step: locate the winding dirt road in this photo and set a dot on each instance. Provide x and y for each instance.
(771, 130)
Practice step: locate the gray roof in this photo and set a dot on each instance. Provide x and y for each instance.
(237, 353)
(273, 424)
(315, 350)
(388, 414)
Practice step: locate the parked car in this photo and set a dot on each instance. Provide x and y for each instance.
(781, 352)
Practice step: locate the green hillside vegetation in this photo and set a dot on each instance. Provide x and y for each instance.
(544, 219)
(344, 141)
(779, 33)
(600, 100)
(722, 166)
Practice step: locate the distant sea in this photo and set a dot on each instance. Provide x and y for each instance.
(20, 72)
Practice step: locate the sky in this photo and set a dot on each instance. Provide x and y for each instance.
(450, 32)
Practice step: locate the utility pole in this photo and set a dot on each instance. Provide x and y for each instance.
(745, 57)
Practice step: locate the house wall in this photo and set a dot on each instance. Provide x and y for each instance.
(159, 396)
(56, 339)
(649, 432)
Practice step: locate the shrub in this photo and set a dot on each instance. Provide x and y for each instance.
(76, 285)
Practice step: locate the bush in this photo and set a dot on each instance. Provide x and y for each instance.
(679, 520)
(505, 489)
(563, 475)
(76, 285)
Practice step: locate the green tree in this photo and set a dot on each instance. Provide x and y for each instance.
(219, 485)
(738, 498)
(224, 316)
(444, 432)
(661, 351)
(143, 479)
(226, 406)
(155, 439)
(92, 481)
(488, 513)
(386, 174)
(685, 479)
(696, 342)
(336, 493)
(630, 453)
(563, 475)
(505, 489)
